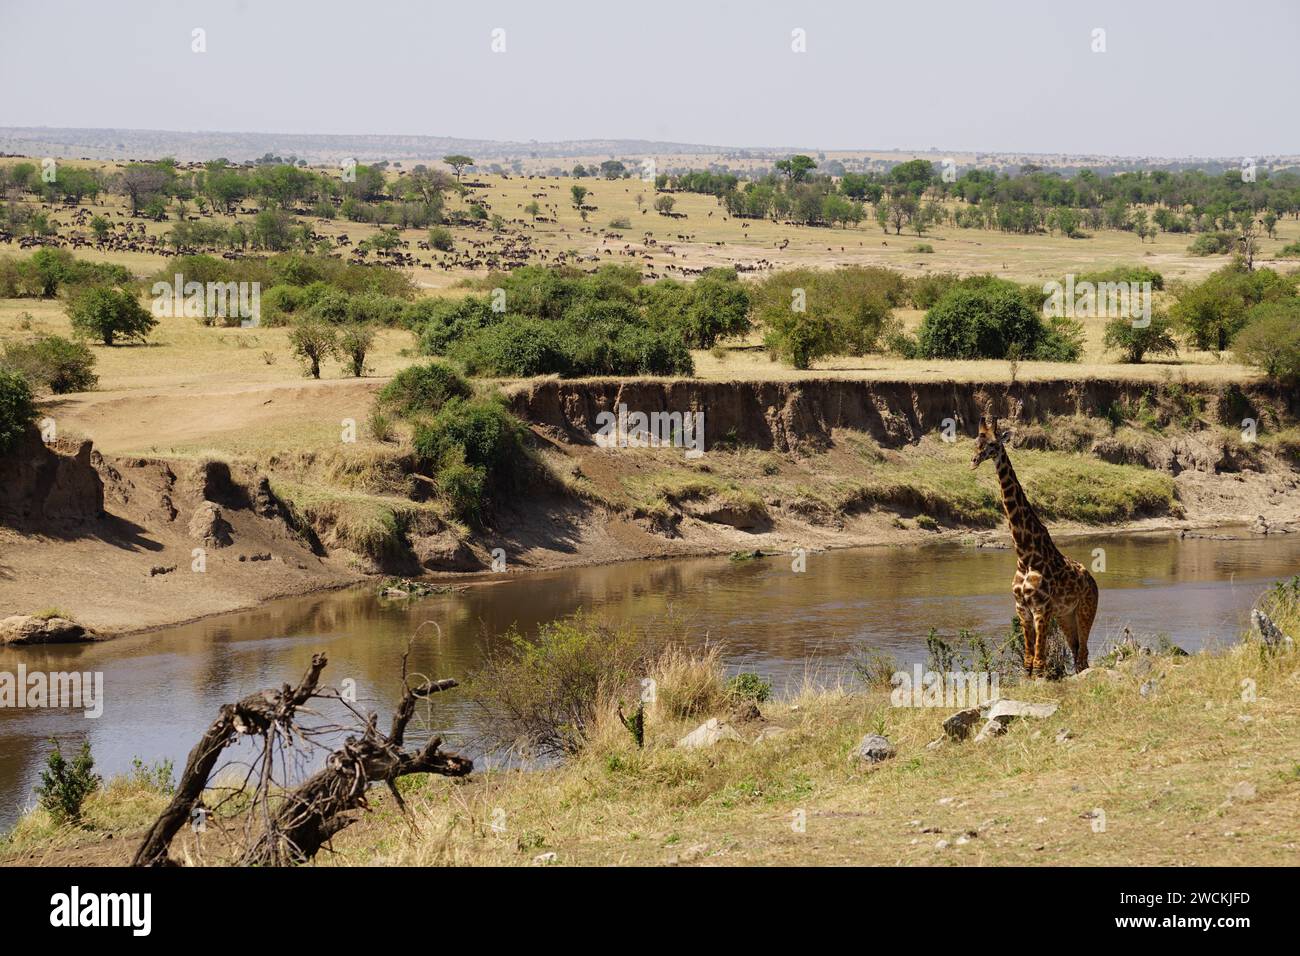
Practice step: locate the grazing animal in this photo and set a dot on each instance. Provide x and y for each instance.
(1048, 586)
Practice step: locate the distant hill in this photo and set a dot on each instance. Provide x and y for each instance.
(317, 149)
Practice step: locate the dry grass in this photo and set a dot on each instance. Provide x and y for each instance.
(1165, 770)
(1203, 769)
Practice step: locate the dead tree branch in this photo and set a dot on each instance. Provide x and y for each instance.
(299, 821)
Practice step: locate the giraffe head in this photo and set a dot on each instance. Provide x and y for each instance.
(989, 442)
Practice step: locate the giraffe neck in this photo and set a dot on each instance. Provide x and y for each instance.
(1027, 531)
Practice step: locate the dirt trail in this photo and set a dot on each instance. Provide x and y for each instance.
(142, 420)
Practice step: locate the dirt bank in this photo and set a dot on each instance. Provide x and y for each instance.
(123, 544)
(799, 416)
(110, 540)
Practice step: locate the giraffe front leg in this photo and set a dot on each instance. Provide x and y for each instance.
(1041, 624)
(1027, 627)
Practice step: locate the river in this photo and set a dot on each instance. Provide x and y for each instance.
(162, 688)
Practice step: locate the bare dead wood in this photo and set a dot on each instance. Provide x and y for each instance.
(301, 821)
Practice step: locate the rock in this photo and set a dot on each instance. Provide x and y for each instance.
(158, 569)
(1005, 710)
(710, 732)
(768, 733)
(936, 743)
(1064, 735)
(1148, 688)
(993, 728)
(960, 724)
(544, 859)
(874, 748)
(25, 629)
(209, 526)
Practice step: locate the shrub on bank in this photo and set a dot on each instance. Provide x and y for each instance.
(473, 448)
(422, 389)
(545, 695)
(52, 362)
(16, 409)
(808, 314)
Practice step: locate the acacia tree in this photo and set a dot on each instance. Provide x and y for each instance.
(144, 183)
(458, 162)
(109, 314)
(313, 341)
(354, 345)
(796, 168)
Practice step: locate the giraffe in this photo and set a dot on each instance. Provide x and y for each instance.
(1048, 586)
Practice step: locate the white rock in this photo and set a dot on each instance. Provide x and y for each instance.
(709, 733)
(1006, 708)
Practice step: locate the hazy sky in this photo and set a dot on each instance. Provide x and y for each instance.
(1178, 77)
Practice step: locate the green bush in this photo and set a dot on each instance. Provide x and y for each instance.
(110, 314)
(440, 238)
(280, 304)
(925, 290)
(1135, 343)
(65, 786)
(53, 362)
(1132, 274)
(981, 320)
(749, 686)
(1212, 312)
(16, 409)
(444, 322)
(423, 389)
(716, 306)
(1213, 244)
(1271, 340)
(516, 347)
(474, 448)
(544, 694)
(808, 314)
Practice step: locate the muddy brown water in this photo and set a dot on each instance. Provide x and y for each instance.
(162, 688)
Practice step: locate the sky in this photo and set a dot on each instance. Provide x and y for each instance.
(1184, 78)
